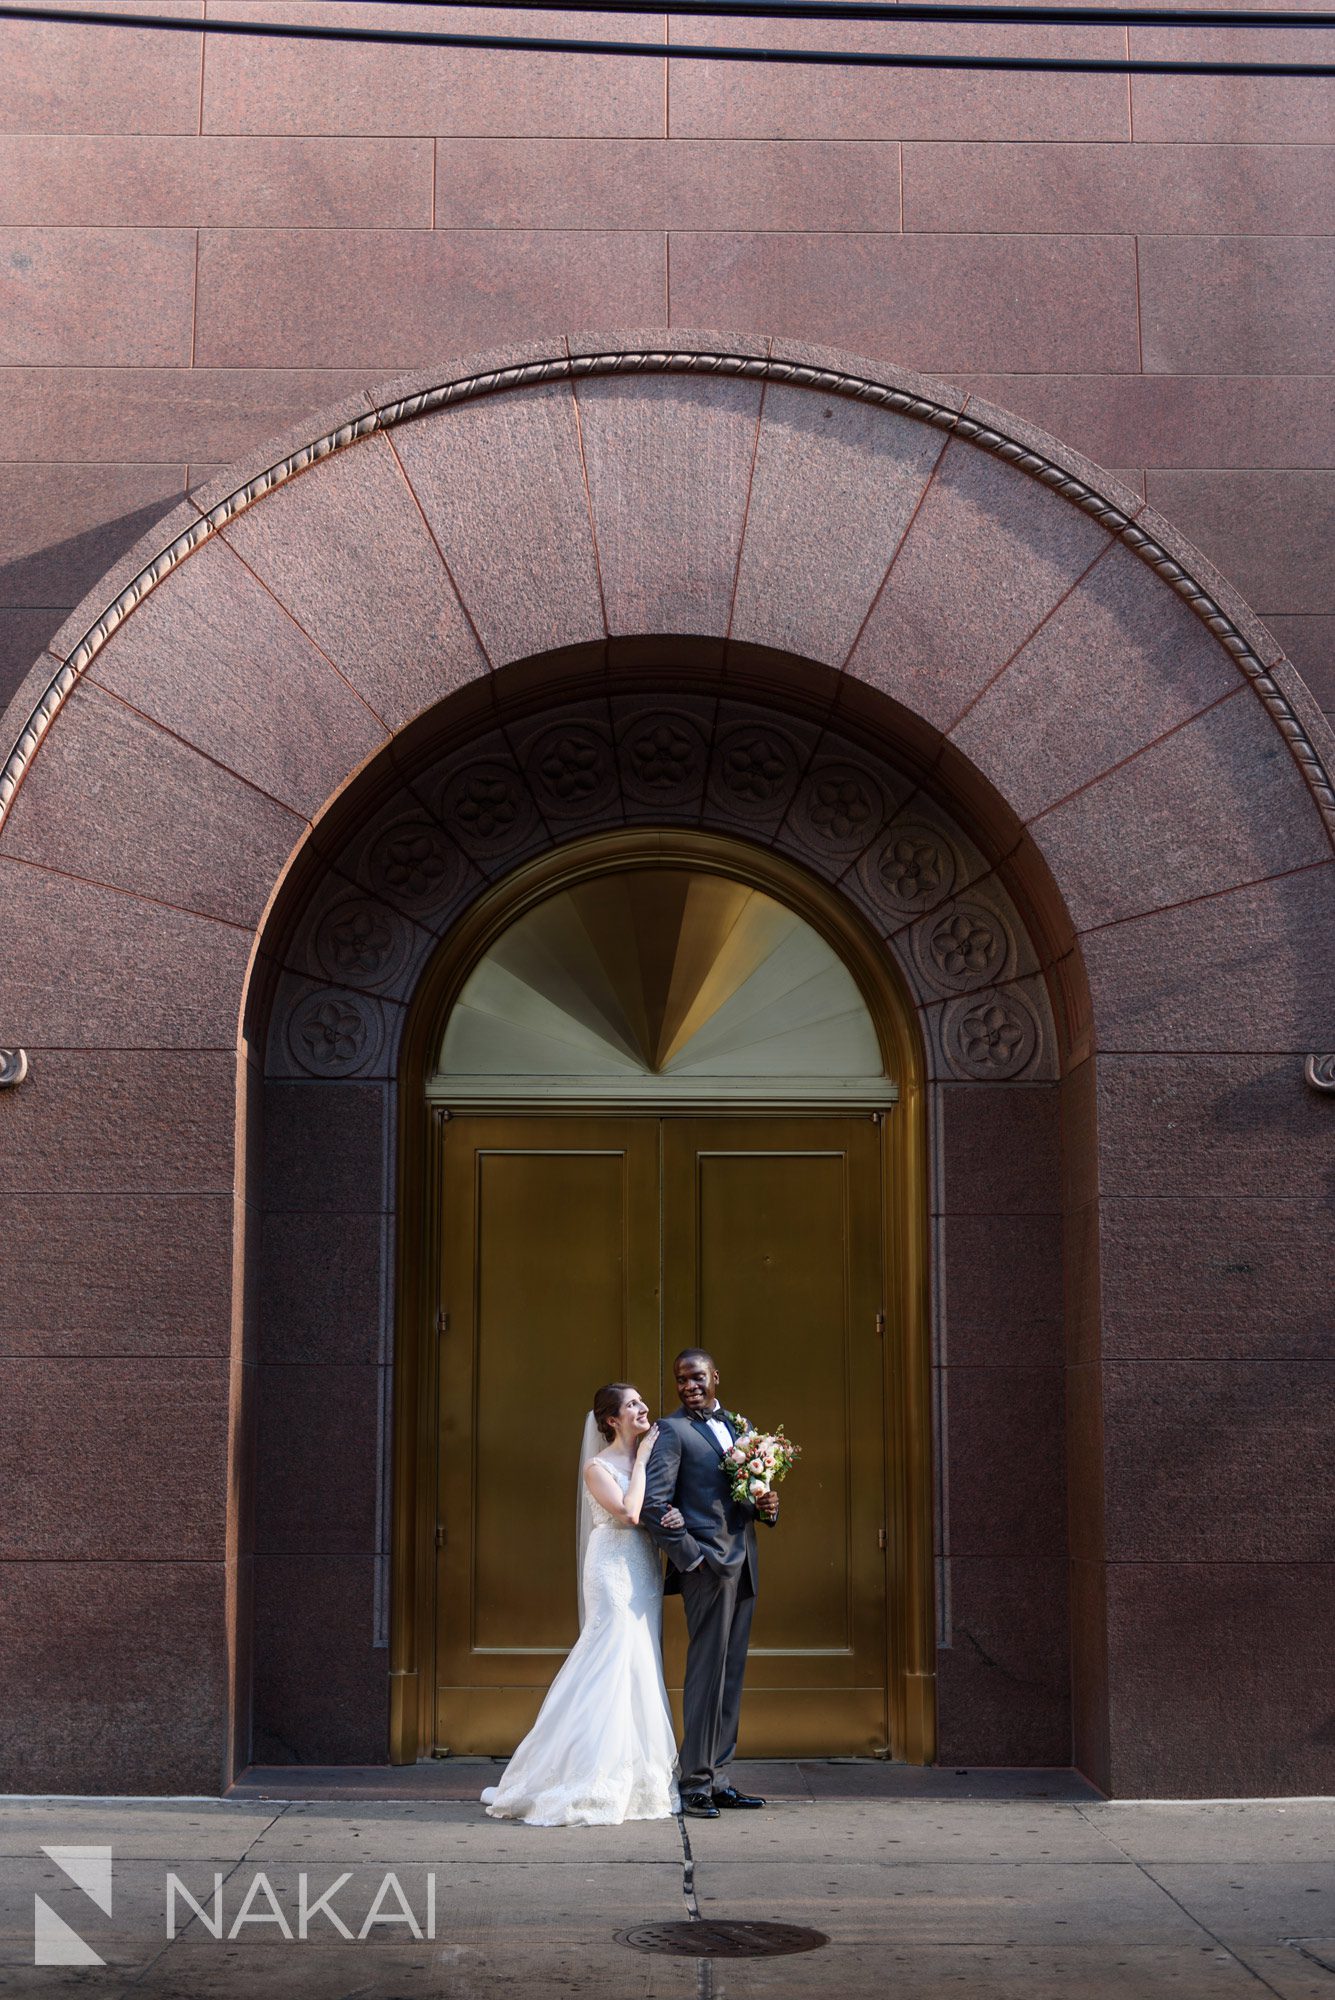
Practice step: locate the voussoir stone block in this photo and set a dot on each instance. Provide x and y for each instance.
(669, 462)
(1118, 663)
(215, 658)
(834, 489)
(158, 818)
(1214, 804)
(501, 484)
(399, 636)
(129, 990)
(986, 559)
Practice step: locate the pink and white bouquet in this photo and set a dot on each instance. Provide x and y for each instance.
(758, 1461)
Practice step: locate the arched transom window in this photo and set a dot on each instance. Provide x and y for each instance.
(661, 985)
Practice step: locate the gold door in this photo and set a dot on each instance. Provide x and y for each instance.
(772, 1261)
(579, 1250)
(550, 1250)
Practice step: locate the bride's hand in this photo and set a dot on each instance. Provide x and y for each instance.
(673, 1518)
(647, 1442)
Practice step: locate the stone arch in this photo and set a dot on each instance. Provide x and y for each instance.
(420, 839)
(1118, 736)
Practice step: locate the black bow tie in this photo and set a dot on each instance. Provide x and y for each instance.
(707, 1417)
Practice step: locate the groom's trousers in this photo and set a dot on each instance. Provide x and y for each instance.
(718, 1631)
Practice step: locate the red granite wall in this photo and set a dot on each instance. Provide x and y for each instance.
(199, 243)
(1141, 777)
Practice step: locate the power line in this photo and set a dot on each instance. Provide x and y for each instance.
(886, 11)
(909, 10)
(304, 31)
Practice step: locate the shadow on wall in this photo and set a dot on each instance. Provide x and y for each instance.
(40, 588)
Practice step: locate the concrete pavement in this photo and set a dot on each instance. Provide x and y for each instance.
(990, 1885)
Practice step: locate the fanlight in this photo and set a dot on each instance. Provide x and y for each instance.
(659, 985)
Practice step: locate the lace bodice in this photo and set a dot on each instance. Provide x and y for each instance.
(600, 1515)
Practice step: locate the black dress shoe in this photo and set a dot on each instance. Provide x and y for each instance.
(730, 1796)
(698, 1805)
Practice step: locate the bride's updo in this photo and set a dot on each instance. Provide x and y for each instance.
(607, 1406)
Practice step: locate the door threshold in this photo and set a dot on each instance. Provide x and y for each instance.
(807, 1780)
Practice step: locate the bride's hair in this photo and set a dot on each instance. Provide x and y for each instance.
(607, 1405)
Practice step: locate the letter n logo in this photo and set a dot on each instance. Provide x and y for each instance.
(54, 1943)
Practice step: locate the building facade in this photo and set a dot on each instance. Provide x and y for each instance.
(616, 838)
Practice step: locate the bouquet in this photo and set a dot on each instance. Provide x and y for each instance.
(758, 1460)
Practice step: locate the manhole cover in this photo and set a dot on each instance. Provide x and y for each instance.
(722, 1938)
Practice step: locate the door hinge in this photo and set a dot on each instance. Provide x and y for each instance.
(442, 1320)
(440, 1535)
(880, 1538)
(880, 1324)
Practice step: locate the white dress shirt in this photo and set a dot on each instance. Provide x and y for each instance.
(716, 1424)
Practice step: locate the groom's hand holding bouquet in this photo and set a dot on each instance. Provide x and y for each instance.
(757, 1463)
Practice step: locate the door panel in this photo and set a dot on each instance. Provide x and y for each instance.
(579, 1250)
(551, 1267)
(772, 1261)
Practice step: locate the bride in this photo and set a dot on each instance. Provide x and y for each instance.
(602, 1749)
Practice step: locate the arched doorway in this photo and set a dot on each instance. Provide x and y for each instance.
(450, 873)
(1089, 813)
(656, 1105)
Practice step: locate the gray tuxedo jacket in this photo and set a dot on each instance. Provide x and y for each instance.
(685, 1469)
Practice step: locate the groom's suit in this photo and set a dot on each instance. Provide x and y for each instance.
(718, 1593)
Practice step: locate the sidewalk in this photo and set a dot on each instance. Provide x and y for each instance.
(977, 1886)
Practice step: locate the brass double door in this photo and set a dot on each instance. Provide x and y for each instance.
(578, 1250)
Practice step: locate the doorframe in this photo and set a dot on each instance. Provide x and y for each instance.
(910, 1617)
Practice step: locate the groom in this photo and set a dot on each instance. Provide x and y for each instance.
(712, 1563)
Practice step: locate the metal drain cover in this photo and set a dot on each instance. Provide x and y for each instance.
(722, 1937)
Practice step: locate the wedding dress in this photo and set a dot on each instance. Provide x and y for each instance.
(602, 1749)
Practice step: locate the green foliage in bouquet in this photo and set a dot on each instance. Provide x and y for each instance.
(759, 1460)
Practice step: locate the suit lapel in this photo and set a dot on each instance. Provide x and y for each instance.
(702, 1425)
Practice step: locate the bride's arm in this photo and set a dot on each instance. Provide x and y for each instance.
(602, 1483)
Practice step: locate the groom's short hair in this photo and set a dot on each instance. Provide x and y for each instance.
(694, 1354)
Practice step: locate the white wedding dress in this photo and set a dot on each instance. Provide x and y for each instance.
(602, 1749)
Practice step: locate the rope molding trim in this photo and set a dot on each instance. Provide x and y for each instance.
(573, 368)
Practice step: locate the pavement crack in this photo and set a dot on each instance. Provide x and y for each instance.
(687, 1870)
(707, 1987)
(1190, 1915)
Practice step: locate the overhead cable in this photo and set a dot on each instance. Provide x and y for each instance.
(909, 10)
(310, 31)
